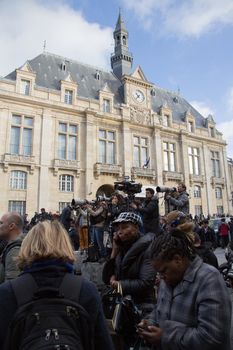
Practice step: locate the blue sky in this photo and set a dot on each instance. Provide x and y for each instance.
(179, 44)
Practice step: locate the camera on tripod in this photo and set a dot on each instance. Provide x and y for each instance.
(127, 186)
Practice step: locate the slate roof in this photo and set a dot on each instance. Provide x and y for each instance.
(177, 104)
(120, 25)
(48, 71)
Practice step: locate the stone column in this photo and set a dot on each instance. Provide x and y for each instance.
(45, 146)
(127, 149)
(88, 157)
(208, 174)
(184, 161)
(158, 156)
(227, 193)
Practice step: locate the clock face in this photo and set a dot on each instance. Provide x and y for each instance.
(138, 96)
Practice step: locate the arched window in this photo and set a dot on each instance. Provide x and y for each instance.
(18, 180)
(124, 40)
(197, 191)
(218, 192)
(66, 183)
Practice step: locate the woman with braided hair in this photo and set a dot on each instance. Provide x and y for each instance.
(193, 309)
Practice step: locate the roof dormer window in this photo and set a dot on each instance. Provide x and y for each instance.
(152, 92)
(190, 126)
(97, 75)
(63, 66)
(25, 87)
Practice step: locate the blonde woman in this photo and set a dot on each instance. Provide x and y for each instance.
(46, 260)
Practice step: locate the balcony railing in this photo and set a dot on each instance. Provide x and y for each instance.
(141, 172)
(66, 164)
(18, 159)
(172, 176)
(109, 169)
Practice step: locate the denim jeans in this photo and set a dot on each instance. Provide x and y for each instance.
(98, 233)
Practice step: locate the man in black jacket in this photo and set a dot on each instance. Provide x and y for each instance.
(150, 212)
(66, 217)
(205, 252)
(207, 235)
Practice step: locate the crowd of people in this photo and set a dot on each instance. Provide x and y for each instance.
(165, 264)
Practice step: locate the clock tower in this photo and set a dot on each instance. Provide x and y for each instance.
(121, 59)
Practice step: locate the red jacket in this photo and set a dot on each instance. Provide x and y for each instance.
(223, 229)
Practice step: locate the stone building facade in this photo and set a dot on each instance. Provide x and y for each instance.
(69, 130)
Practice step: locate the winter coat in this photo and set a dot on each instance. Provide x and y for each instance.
(231, 296)
(66, 217)
(207, 255)
(207, 236)
(98, 216)
(196, 314)
(181, 203)
(133, 269)
(8, 264)
(223, 229)
(150, 213)
(52, 276)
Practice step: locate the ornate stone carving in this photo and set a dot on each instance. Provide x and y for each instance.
(140, 172)
(172, 176)
(140, 116)
(215, 181)
(20, 160)
(66, 164)
(109, 169)
(196, 178)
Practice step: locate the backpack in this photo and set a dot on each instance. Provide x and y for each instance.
(49, 318)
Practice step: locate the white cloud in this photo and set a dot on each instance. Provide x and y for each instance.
(182, 17)
(202, 108)
(25, 24)
(227, 129)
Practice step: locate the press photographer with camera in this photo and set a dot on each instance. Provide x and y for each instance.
(150, 212)
(67, 217)
(98, 216)
(179, 201)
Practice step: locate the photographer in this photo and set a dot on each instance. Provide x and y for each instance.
(97, 219)
(67, 217)
(149, 211)
(82, 221)
(115, 207)
(181, 202)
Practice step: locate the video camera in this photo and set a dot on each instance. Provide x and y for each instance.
(165, 189)
(127, 186)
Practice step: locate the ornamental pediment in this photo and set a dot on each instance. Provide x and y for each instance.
(139, 74)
